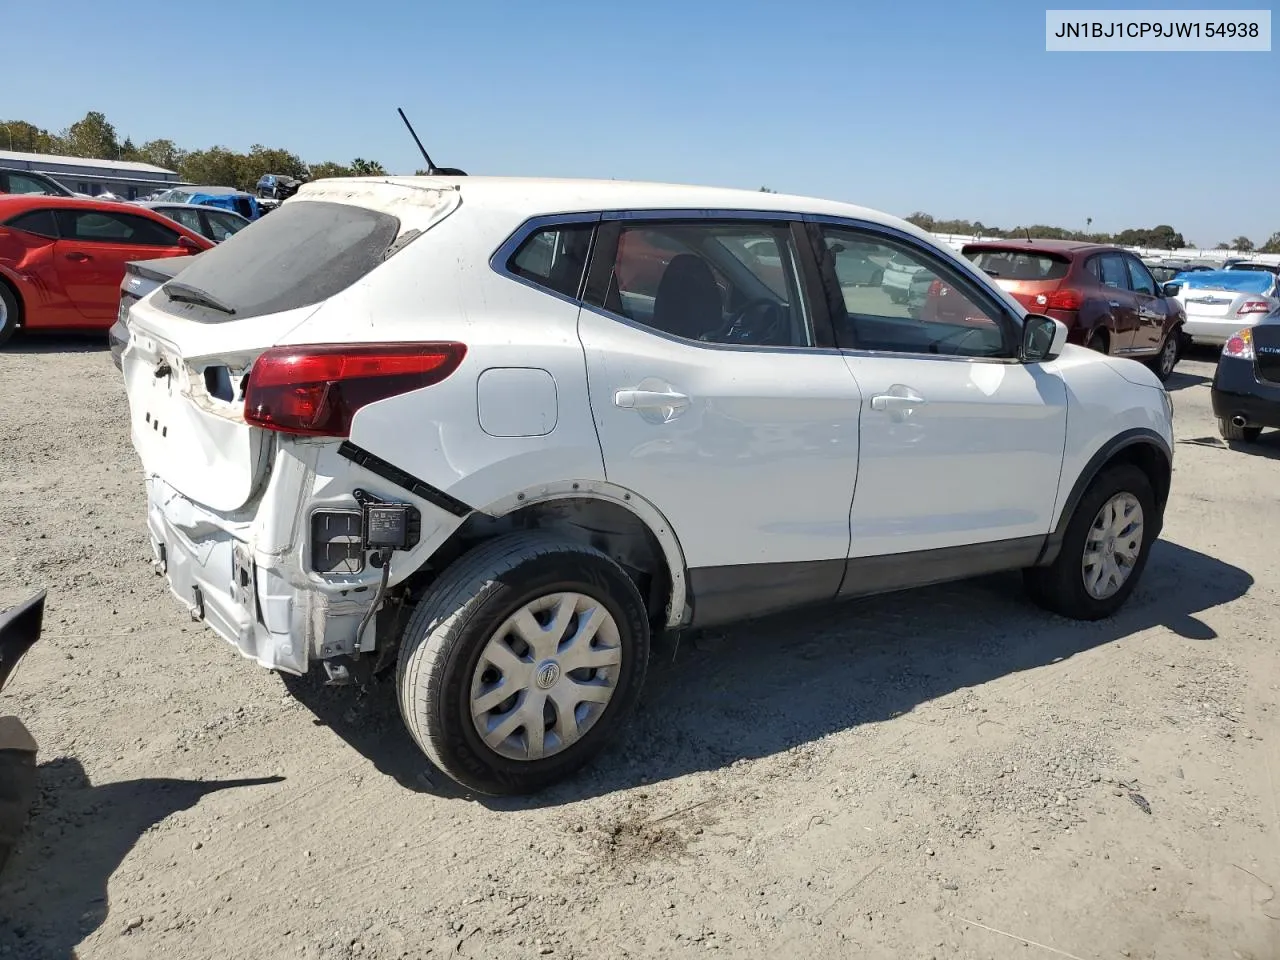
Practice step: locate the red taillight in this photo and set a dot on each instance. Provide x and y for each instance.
(1253, 306)
(936, 289)
(316, 390)
(1240, 346)
(1065, 299)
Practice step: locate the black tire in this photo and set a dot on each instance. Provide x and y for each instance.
(1233, 434)
(451, 625)
(1163, 363)
(10, 314)
(1098, 341)
(1060, 587)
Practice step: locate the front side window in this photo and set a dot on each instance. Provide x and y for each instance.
(934, 314)
(1141, 278)
(728, 283)
(554, 257)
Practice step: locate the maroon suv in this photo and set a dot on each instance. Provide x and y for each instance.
(1105, 295)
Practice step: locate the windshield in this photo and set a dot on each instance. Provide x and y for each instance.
(1264, 267)
(1235, 281)
(1019, 264)
(301, 255)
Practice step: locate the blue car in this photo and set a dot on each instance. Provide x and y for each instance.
(227, 198)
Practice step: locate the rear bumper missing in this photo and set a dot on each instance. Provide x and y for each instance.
(262, 604)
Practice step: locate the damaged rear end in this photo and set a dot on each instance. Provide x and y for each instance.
(19, 630)
(260, 517)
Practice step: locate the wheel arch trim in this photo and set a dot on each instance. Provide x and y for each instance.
(643, 510)
(1125, 440)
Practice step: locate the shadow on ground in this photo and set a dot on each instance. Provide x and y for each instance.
(766, 687)
(53, 892)
(93, 341)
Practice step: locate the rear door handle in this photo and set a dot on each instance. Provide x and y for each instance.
(79, 257)
(650, 400)
(905, 399)
(1114, 303)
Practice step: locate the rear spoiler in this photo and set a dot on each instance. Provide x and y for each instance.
(161, 270)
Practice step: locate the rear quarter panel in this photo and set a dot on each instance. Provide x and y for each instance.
(441, 287)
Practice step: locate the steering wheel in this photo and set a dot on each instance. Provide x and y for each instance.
(745, 327)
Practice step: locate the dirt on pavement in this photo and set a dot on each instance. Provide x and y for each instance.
(944, 773)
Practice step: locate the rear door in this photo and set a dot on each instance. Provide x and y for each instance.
(92, 251)
(1120, 303)
(718, 399)
(1153, 309)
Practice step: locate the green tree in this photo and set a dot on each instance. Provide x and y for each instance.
(1272, 245)
(767, 190)
(28, 138)
(92, 137)
(327, 169)
(161, 153)
(1223, 246)
(1243, 244)
(217, 166)
(361, 167)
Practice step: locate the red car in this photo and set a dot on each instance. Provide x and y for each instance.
(62, 259)
(1105, 295)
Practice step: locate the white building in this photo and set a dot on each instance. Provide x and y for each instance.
(125, 179)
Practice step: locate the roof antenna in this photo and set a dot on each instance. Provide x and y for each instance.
(1024, 229)
(432, 169)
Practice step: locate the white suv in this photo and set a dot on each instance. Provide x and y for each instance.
(499, 432)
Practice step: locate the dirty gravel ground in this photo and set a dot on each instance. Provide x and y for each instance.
(949, 773)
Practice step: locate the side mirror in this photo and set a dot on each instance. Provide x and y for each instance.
(1043, 338)
(189, 245)
(1170, 289)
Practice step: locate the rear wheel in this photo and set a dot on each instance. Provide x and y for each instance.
(1098, 342)
(522, 661)
(1104, 550)
(1232, 433)
(1162, 363)
(10, 311)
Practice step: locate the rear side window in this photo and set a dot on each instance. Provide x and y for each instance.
(555, 258)
(299, 256)
(39, 222)
(97, 226)
(1020, 264)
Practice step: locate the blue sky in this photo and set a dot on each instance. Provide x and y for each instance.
(951, 108)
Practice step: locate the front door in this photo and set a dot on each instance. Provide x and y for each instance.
(1153, 309)
(713, 399)
(961, 445)
(94, 247)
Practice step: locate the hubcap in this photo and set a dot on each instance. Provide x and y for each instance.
(1168, 355)
(546, 676)
(1113, 545)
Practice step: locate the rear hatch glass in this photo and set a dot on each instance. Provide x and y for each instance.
(299, 256)
(1022, 265)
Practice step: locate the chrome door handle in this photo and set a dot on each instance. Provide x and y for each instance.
(650, 400)
(906, 399)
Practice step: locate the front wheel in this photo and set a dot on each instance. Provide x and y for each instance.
(1162, 363)
(522, 661)
(9, 311)
(1104, 550)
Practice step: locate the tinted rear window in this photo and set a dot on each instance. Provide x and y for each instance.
(1020, 264)
(299, 256)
